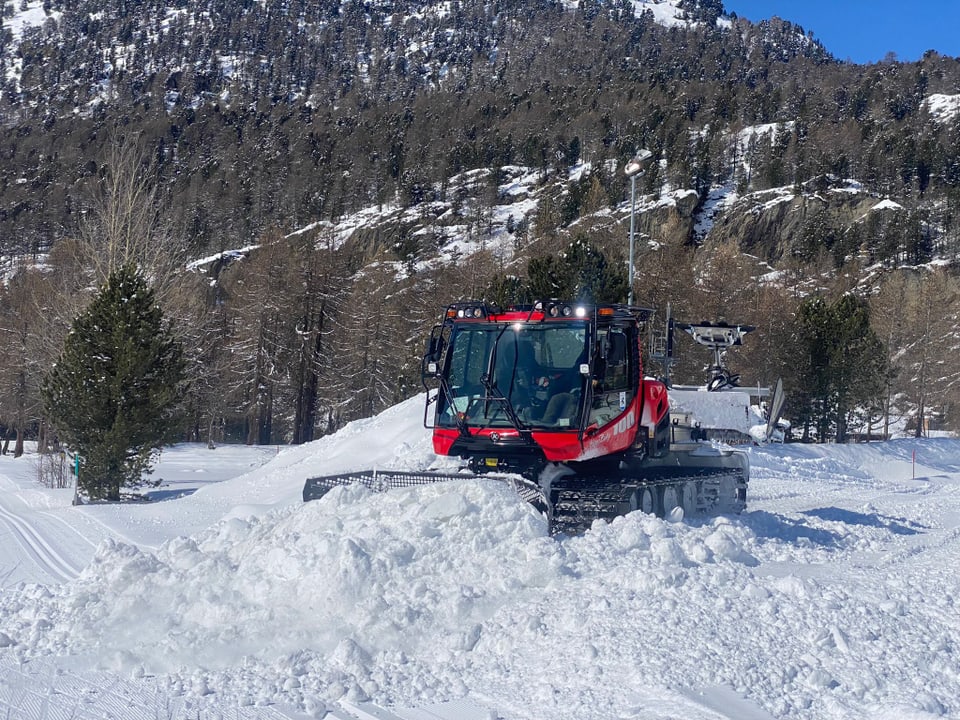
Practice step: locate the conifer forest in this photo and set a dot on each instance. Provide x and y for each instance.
(305, 186)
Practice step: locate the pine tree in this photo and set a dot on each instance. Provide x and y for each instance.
(841, 369)
(115, 392)
(581, 272)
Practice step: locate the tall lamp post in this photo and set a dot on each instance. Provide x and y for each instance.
(634, 168)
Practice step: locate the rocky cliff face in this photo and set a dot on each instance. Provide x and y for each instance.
(772, 224)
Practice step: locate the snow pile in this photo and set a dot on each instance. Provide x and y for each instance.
(353, 566)
(834, 596)
(394, 596)
(430, 592)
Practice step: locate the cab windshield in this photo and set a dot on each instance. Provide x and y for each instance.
(536, 368)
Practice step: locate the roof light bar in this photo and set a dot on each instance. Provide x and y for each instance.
(468, 311)
(559, 309)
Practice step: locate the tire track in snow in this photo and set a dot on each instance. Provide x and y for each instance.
(37, 547)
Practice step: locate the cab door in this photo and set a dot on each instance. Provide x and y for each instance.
(614, 375)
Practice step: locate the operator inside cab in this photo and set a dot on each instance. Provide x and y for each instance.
(547, 395)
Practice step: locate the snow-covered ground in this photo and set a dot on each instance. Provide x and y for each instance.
(835, 595)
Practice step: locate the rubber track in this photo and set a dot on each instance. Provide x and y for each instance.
(578, 501)
(575, 502)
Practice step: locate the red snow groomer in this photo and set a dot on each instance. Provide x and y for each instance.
(552, 398)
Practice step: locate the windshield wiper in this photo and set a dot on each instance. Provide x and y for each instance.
(459, 418)
(493, 392)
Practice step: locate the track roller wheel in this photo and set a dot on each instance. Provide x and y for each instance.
(670, 499)
(688, 500)
(647, 500)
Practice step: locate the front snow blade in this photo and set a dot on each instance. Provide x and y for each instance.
(383, 480)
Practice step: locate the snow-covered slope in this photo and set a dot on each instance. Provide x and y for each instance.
(834, 596)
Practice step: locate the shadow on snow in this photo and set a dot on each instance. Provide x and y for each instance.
(779, 527)
(898, 526)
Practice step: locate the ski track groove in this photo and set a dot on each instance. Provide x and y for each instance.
(108, 532)
(72, 527)
(37, 547)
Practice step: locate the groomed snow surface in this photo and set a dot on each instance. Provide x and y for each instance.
(835, 595)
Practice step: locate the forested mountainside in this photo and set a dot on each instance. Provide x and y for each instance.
(332, 173)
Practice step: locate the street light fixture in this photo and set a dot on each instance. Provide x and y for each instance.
(635, 167)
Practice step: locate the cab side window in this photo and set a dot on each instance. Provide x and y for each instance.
(617, 370)
(612, 375)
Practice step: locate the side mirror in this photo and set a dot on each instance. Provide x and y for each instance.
(429, 369)
(430, 366)
(433, 348)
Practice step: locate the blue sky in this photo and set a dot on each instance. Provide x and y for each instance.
(865, 31)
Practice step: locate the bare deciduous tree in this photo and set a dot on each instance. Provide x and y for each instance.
(125, 223)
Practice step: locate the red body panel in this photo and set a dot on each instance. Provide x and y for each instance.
(656, 405)
(443, 439)
(564, 445)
